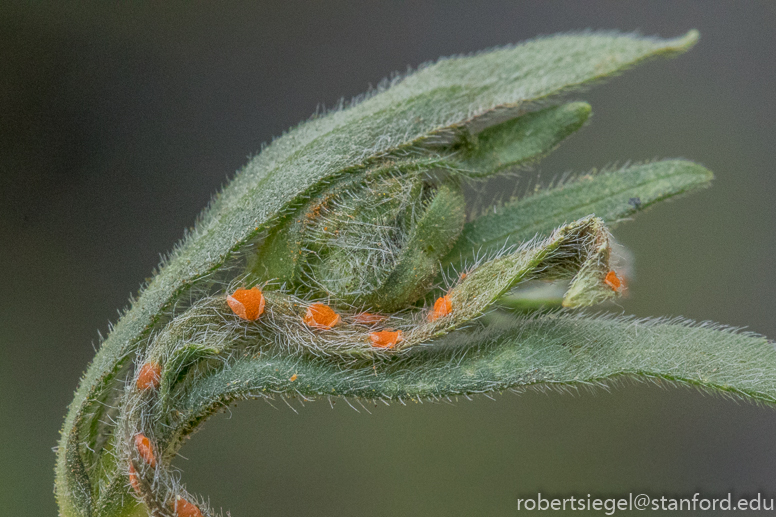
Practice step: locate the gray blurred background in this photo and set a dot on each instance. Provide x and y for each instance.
(118, 122)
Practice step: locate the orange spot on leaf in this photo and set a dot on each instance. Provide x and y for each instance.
(613, 281)
(442, 307)
(367, 318)
(385, 338)
(247, 303)
(149, 376)
(133, 479)
(183, 508)
(293, 378)
(145, 449)
(321, 316)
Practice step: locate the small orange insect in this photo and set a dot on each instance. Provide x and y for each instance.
(293, 378)
(133, 479)
(385, 338)
(183, 508)
(149, 376)
(613, 281)
(442, 307)
(145, 449)
(247, 303)
(321, 316)
(367, 318)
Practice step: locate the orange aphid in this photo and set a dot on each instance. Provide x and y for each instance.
(321, 316)
(145, 449)
(293, 378)
(368, 318)
(247, 303)
(149, 376)
(183, 508)
(442, 307)
(613, 281)
(385, 338)
(133, 479)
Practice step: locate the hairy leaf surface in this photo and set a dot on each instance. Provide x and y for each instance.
(518, 352)
(461, 117)
(612, 196)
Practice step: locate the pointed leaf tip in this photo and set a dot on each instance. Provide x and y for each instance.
(611, 195)
(523, 140)
(689, 40)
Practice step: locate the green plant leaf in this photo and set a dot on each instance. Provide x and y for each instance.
(612, 196)
(418, 262)
(518, 352)
(578, 252)
(511, 353)
(436, 115)
(451, 92)
(522, 140)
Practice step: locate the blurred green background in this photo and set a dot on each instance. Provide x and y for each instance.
(120, 121)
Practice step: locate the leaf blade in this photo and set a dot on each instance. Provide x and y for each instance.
(519, 353)
(611, 196)
(524, 139)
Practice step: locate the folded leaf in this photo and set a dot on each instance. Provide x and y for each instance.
(418, 261)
